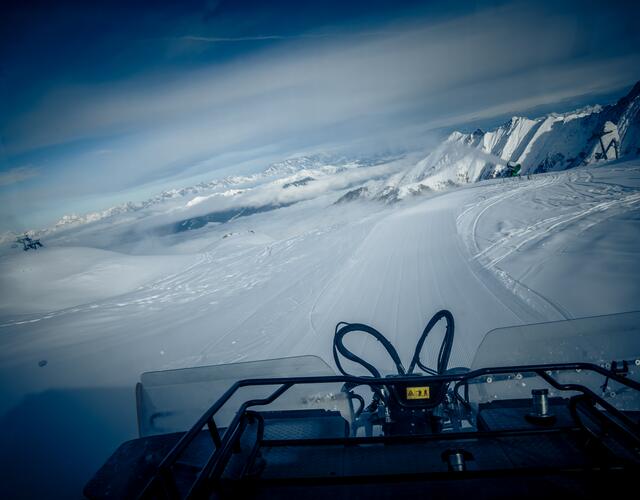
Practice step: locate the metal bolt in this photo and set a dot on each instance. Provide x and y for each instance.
(456, 462)
(540, 414)
(540, 402)
(457, 459)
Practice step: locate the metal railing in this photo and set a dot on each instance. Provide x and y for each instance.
(164, 481)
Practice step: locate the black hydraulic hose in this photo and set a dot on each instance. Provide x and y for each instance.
(338, 347)
(445, 348)
(360, 399)
(343, 329)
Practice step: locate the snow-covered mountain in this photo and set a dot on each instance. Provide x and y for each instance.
(278, 170)
(289, 172)
(550, 143)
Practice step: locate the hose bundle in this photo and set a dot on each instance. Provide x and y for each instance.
(342, 329)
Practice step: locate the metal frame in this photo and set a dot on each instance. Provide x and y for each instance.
(217, 461)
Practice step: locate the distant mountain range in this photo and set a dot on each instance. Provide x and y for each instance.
(288, 170)
(550, 143)
(274, 171)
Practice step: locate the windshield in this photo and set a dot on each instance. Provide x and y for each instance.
(173, 400)
(609, 341)
(599, 340)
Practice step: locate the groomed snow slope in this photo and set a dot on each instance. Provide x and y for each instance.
(496, 253)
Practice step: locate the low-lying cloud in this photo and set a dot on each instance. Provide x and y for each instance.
(273, 193)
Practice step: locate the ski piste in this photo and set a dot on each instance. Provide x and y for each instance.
(544, 409)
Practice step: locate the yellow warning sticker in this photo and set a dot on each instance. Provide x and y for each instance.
(418, 392)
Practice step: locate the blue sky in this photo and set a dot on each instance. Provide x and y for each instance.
(105, 102)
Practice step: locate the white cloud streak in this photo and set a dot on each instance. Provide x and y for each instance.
(18, 174)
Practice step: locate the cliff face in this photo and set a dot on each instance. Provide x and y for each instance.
(550, 143)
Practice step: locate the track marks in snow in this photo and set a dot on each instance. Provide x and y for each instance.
(504, 247)
(573, 201)
(504, 191)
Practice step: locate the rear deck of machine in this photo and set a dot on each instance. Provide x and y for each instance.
(280, 454)
(296, 429)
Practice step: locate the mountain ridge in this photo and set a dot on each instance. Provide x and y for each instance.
(553, 142)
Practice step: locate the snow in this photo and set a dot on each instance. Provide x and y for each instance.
(65, 277)
(629, 128)
(199, 199)
(546, 250)
(496, 253)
